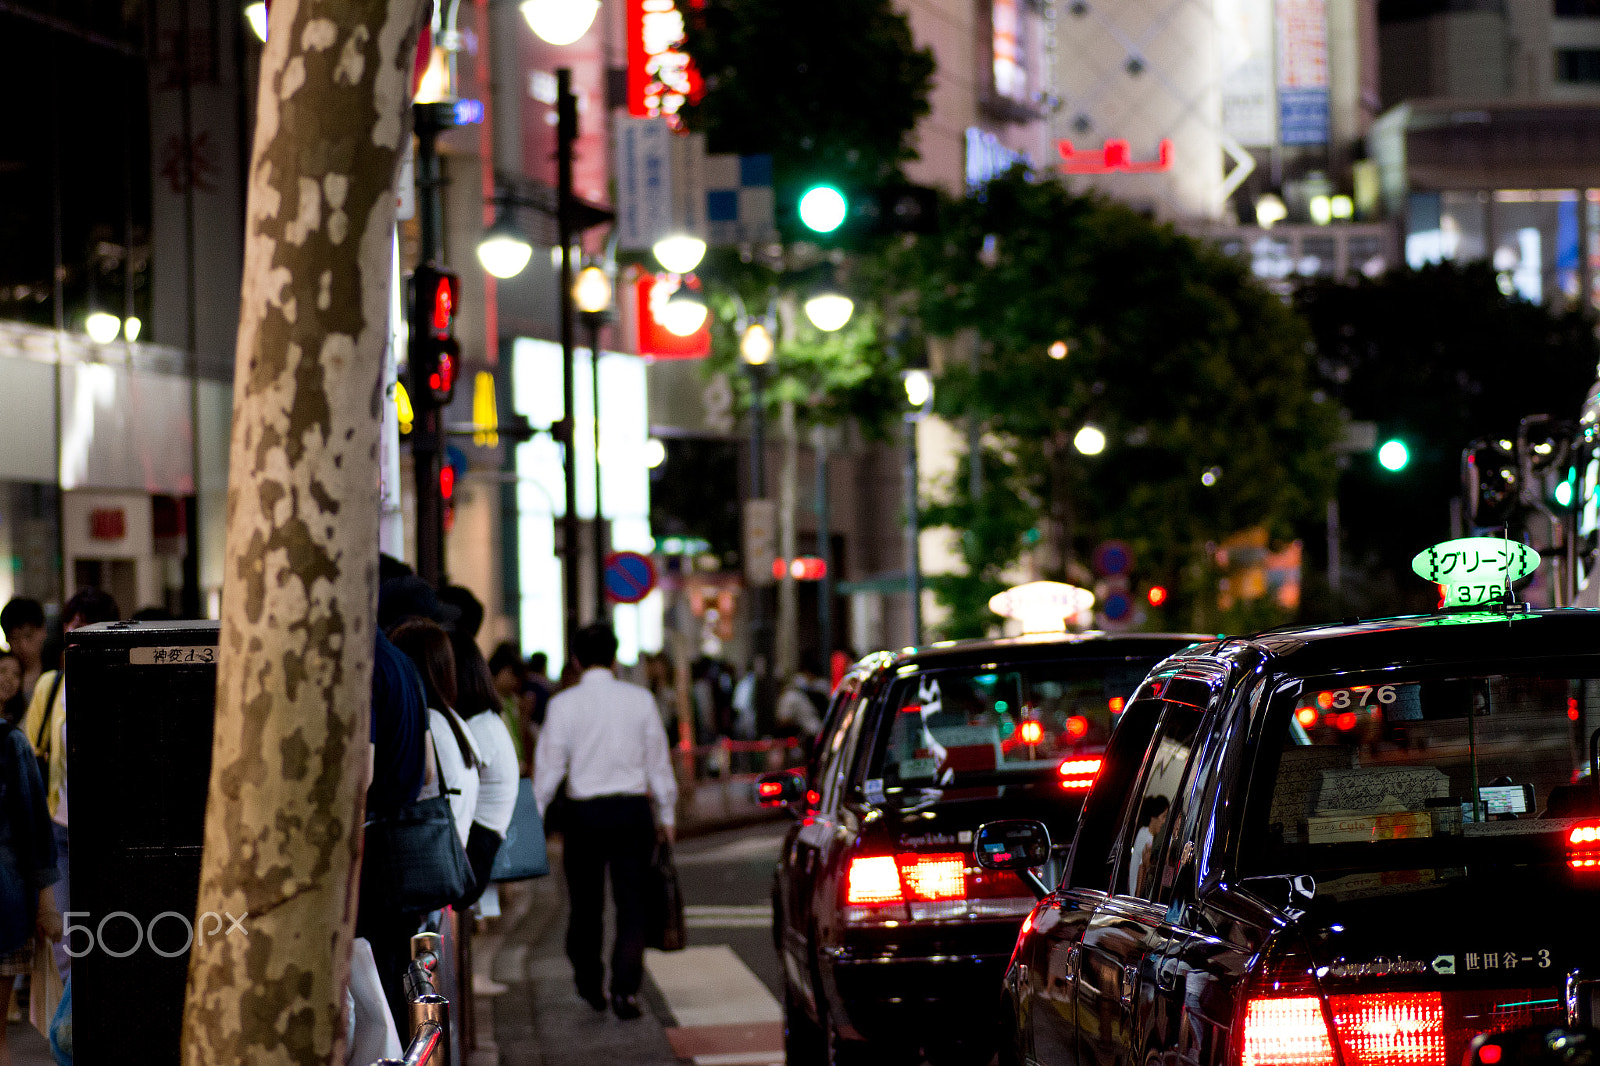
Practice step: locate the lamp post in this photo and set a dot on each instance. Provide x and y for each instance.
(592, 294)
(919, 397)
(755, 352)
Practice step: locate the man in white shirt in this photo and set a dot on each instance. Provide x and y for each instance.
(604, 737)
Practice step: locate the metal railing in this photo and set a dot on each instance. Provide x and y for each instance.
(430, 1012)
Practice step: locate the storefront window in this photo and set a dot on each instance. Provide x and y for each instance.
(30, 541)
(1536, 243)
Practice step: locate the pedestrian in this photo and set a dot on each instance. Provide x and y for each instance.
(603, 737)
(28, 867)
(13, 704)
(22, 622)
(398, 734)
(1152, 819)
(46, 727)
(801, 707)
(454, 750)
(510, 676)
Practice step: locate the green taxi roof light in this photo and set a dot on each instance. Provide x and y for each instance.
(1475, 570)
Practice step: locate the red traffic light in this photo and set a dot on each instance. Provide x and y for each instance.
(442, 375)
(447, 481)
(444, 303)
(1157, 595)
(802, 568)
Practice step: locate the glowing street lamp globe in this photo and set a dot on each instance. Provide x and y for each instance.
(680, 253)
(683, 316)
(829, 311)
(560, 22)
(504, 252)
(592, 290)
(756, 346)
(1089, 441)
(103, 328)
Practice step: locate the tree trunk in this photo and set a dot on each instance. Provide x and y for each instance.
(288, 771)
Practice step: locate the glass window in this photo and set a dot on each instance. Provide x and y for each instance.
(960, 728)
(1426, 773)
(1578, 65)
(836, 754)
(1164, 773)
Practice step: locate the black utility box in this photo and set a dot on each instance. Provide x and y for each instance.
(141, 698)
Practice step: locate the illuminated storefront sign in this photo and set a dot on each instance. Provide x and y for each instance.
(1010, 66)
(661, 77)
(652, 292)
(1113, 158)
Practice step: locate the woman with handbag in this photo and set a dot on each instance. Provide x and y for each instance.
(457, 758)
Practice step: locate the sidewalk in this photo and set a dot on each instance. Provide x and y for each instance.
(541, 1021)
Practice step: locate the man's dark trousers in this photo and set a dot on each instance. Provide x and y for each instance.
(619, 833)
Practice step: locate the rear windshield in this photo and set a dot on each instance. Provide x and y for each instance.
(951, 728)
(1425, 773)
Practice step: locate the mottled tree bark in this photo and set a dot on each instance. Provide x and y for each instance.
(289, 762)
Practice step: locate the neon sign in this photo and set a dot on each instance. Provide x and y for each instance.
(1113, 158)
(661, 76)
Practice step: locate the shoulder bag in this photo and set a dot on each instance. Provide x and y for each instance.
(413, 861)
(46, 737)
(522, 854)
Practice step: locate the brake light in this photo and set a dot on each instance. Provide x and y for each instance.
(1391, 1029)
(929, 886)
(1078, 774)
(1117, 703)
(1030, 732)
(1306, 716)
(934, 877)
(1289, 1031)
(1077, 727)
(1583, 847)
(873, 879)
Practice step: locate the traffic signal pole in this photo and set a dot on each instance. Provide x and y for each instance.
(566, 134)
(427, 440)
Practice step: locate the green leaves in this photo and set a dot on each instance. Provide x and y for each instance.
(1183, 362)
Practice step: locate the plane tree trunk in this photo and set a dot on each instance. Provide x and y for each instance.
(286, 800)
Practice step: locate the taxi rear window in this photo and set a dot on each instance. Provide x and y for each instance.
(1453, 767)
(950, 727)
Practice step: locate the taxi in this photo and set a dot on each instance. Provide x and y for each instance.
(1362, 844)
(885, 928)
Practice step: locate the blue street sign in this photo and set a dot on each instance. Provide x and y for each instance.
(630, 577)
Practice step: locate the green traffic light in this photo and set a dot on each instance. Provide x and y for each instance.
(1394, 455)
(822, 208)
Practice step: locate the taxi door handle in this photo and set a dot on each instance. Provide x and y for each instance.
(1167, 974)
(1130, 983)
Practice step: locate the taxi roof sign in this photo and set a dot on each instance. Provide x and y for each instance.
(1042, 606)
(1475, 570)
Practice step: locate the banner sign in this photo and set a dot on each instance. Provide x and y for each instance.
(1302, 72)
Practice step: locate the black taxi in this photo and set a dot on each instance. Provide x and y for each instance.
(1362, 844)
(885, 928)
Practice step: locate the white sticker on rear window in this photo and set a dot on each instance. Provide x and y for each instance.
(912, 769)
(873, 788)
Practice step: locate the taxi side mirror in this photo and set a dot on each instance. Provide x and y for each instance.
(1018, 845)
(782, 788)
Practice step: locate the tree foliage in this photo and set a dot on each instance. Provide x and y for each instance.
(832, 89)
(1435, 357)
(1184, 362)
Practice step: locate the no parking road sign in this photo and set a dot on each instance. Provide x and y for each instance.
(630, 577)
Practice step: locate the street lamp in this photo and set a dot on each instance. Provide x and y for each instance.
(918, 383)
(102, 328)
(504, 251)
(683, 314)
(679, 253)
(560, 22)
(756, 349)
(1089, 440)
(591, 292)
(256, 15)
(829, 311)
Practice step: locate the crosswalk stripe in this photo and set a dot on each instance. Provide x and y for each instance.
(741, 1058)
(751, 910)
(726, 921)
(710, 985)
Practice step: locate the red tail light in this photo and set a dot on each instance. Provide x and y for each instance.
(1392, 1029)
(1030, 732)
(769, 790)
(1583, 847)
(1289, 1031)
(1078, 774)
(1077, 727)
(918, 886)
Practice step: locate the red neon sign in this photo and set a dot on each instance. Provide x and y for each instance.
(661, 76)
(1113, 158)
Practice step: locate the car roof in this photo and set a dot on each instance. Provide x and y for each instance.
(1035, 647)
(1442, 637)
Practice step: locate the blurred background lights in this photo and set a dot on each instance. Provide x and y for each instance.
(131, 327)
(103, 328)
(655, 452)
(1270, 210)
(1089, 441)
(256, 15)
(679, 253)
(560, 22)
(755, 346)
(1210, 478)
(823, 208)
(1058, 350)
(1394, 455)
(919, 387)
(829, 311)
(683, 316)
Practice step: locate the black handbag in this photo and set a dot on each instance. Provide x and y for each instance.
(413, 860)
(664, 926)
